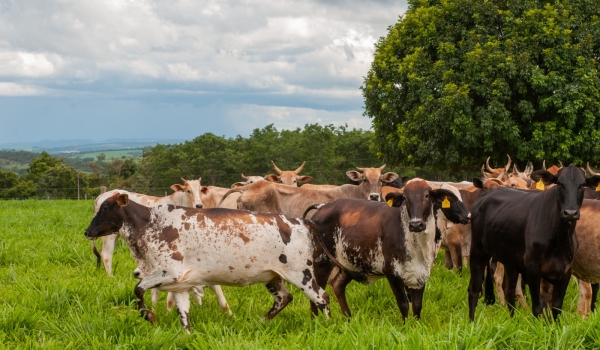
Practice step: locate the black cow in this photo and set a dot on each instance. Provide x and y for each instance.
(530, 232)
(378, 241)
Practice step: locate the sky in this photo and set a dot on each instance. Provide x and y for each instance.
(143, 69)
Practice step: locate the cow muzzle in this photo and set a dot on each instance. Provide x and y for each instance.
(416, 226)
(199, 206)
(570, 214)
(89, 235)
(374, 197)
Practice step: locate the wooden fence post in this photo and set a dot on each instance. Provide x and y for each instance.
(102, 189)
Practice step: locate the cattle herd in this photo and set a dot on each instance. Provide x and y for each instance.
(516, 229)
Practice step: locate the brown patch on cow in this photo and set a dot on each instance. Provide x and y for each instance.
(248, 266)
(168, 234)
(177, 256)
(187, 225)
(198, 259)
(285, 231)
(350, 219)
(170, 208)
(244, 238)
(231, 268)
(183, 217)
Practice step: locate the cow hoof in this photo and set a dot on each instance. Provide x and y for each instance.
(490, 301)
(148, 316)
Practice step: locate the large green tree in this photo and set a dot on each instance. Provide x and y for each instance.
(455, 81)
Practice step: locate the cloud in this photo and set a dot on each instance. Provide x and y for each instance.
(286, 54)
(12, 89)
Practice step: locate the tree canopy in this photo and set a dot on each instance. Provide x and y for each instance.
(456, 81)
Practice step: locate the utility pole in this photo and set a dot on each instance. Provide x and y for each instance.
(78, 198)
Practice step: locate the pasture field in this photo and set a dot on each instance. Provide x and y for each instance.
(53, 297)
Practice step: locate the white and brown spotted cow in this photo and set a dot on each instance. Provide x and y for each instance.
(180, 248)
(372, 239)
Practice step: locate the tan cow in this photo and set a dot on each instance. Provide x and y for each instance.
(292, 201)
(211, 197)
(248, 180)
(288, 177)
(494, 173)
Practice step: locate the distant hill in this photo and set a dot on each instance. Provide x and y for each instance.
(72, 147)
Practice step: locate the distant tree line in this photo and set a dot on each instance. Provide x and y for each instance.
(328, 151)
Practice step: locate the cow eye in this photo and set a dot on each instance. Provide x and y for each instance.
(426, 195)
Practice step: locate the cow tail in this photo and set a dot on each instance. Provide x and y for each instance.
(228, 193)
(357, 276)
(98, 257)
(314, 206)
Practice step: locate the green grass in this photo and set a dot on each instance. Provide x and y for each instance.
(53, 297)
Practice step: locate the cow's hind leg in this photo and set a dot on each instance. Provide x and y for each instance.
(585, 296)
(499, 279)
(511, 278)
(490, 297)
(220, 298)
(155, 279)
(594, 296)
(479, 261)
(338, 284)
(307, 283)
(108, 249)
(281, 295)
(322, 271)
(182, 300)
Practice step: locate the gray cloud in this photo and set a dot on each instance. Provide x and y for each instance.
(296, 61)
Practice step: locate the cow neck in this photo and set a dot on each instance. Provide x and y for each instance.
(360, 191)
(135, 218)
(562, 231)
(420, 248)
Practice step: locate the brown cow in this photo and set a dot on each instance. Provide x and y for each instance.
(498, 171)
(378, 241)
(292, 201)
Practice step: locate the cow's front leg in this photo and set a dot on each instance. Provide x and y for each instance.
(155, 279)
(479, 261)
(338, 284)
(108, 249)
(182, 300)
(281, 295)
(397, 286)
(509, 284)
(416, 297)
(533, 280)
(221, 299)
(558, 294)
(594, 296)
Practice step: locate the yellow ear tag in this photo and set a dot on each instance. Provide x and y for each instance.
(539, 185)
(598, 188)
(390, 202)
(445, 203)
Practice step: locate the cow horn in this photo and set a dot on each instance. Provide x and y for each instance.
(381, 167)
(500, 176)
(590, 170)
(487, 164)
(508, 164)
(516, 169)
(276, 168)
(361, 169)
(299, 169)
(244, 177)
(544, 165)
(184, 180)
(483, 173)
(559, 162)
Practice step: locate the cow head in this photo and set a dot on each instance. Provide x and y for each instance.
(109, 218)
(288, 177)
(249, 180)
(454, 210)
(570, 183)
(189, 195)
(494, 173)
(371, 180)
(488, 184)
(420, 200)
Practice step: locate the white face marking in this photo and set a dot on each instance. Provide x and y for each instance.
(420, 249)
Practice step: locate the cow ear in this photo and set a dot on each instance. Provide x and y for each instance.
(122, 199)
(204, 190)
(547, 177)
(177, 187)
(389, 177)
(443, 198)
(593, 182)
(354, 175)
(478, 183)
(305, 178)
(272, 178)
(394, 199)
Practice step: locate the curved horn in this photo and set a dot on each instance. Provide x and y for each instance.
(483, 173)
(361, 169)
(487, 164)
(559, 162)
(590, 170)
(297, 171)
(544, 165)
(244, 177)
(516, 169)
(184, 180)
(508, 164)
(276, 168)
(499, 177)
(381, 167)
